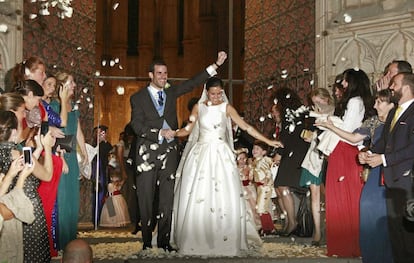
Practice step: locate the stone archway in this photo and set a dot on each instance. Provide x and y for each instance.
(375, 32)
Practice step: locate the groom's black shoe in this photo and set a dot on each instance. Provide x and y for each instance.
(146, 246)
(168, 248)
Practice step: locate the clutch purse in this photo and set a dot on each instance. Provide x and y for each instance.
(65, 143)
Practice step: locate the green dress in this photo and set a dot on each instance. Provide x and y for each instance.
(68, 190)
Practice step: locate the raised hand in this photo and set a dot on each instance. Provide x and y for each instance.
(276, 144)
(16, 166)
(221, 57)
(48, 140)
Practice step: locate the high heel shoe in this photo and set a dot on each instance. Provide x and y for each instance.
(291, 233)
(315, 243)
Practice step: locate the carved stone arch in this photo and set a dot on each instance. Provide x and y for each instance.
(355, 52)
(396, 48)
(383, 35)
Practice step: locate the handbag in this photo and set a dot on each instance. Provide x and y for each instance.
(65, 143)
(304, 218)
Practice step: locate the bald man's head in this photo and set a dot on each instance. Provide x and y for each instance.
(77, 251)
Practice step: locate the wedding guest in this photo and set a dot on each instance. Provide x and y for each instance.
(343, 183)
(100, 138)
(154, 120)
(292, 154)
(36, 245)
(49, 88)
(248, 184)
(15, 207)
(395, 152)
(374, 238)
(77, 251)
(32, 93)
(68, 189)
(207, 175)
(115, 210)
(262, 176)
(337, 88)
(123, 149)
(32, 68)
(15, 103)
(392, 69)
(48, 190)
(312, 166)
(280, 211)
(132, 173)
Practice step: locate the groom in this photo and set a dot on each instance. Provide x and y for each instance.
(154, 120)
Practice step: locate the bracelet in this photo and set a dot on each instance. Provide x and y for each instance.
(216, 64)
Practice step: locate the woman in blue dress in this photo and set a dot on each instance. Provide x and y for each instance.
(374, 239)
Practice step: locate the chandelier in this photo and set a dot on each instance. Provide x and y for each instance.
(63, 8)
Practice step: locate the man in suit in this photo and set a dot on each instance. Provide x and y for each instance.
(154, 120)
(395, 151)
(100, 137)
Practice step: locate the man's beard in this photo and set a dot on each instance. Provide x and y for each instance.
(396, 96)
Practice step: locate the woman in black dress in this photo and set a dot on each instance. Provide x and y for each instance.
(291, 156)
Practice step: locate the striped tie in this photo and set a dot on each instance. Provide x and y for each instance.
(160, 98)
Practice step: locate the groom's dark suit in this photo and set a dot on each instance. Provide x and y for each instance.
(398, 147)
(157, 163)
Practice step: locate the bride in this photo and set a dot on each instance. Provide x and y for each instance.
(210, 212)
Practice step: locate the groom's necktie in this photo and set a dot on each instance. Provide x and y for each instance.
(160, 98)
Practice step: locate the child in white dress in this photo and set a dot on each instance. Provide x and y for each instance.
(115, 210)
(248, 185)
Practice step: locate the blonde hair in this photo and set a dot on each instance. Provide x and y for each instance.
(322, 93)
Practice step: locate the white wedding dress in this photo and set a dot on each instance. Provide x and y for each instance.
(210, 216)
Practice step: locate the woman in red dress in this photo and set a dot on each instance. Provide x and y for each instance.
(343, 182)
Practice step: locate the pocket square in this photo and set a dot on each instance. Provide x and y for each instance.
(403, 123)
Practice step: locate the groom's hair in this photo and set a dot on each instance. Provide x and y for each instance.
(158, 62)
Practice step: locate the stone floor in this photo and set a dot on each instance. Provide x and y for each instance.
(118, 245)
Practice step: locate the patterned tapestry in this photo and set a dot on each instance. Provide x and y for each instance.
(68, 45)
(279, 52)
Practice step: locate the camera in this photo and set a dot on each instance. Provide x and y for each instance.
(27, 155)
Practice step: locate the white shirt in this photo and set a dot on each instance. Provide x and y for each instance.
(154, 91)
